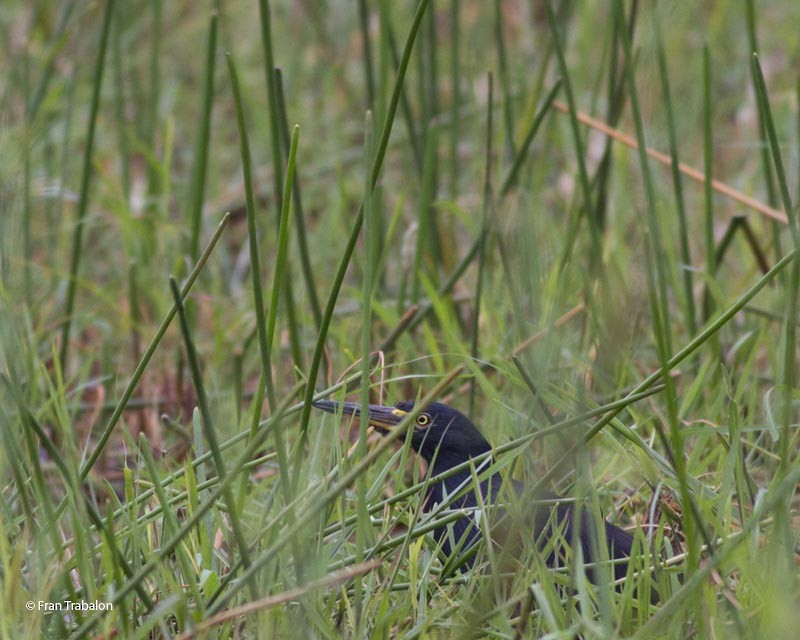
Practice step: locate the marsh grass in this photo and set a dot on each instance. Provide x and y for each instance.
(215, 213)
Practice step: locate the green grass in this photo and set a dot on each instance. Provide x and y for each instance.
(213, 213)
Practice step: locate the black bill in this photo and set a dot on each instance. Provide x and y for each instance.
(381, 417)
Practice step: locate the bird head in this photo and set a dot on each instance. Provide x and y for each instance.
(440, 434)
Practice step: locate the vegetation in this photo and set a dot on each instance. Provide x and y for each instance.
(215, 212)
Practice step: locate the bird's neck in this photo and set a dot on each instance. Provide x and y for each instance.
(442, 463)
(439, 491)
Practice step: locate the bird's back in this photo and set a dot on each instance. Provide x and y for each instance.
(547, 518)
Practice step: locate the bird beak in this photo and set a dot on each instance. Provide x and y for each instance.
(383, 418)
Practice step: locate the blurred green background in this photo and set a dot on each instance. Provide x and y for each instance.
(470, 237)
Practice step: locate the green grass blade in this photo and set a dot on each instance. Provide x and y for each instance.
(200, 163)
(148, 354)
(86, 178)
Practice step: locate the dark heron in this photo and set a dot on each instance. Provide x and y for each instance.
(446, 438)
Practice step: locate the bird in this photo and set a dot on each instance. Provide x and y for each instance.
(446, 438)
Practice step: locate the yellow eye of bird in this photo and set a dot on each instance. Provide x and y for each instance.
(423, 420)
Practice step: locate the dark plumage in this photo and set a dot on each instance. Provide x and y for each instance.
(446, 438)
